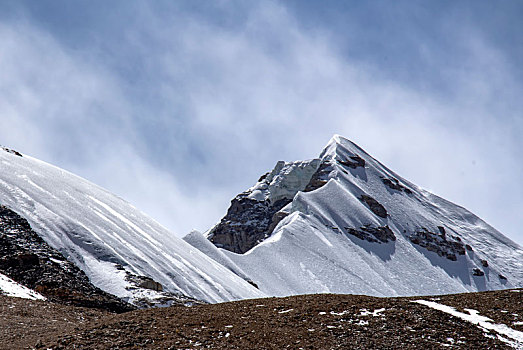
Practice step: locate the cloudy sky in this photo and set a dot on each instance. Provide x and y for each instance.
(179, 106)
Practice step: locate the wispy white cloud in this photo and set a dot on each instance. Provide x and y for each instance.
(203, 108)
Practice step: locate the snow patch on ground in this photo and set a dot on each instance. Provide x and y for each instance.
(375, 313)
(506, 334)
(12, 289)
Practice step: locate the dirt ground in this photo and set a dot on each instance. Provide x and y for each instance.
(25, 323)
(322, 321)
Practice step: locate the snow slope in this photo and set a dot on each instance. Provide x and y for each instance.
(363, 229)
(108, 238)
(10, 288)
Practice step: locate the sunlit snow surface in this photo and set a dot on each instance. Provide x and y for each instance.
(311, 252)
(97, 230)
(10, 288)
(506, 334)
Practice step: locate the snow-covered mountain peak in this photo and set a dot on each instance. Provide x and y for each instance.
(339, 223)
(339, 145)
(358, 227)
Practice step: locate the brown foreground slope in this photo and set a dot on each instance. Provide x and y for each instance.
(300, 322)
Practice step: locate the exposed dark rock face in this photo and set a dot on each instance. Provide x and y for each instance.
(380, 234)
(145, 282)
(444, 246)
(12, 151)
(27, 259)
(248, 222)
(477, 272)
(320, 177)
(394, 184)
(276, 218)
(484, 263)
(374, 205)
(353, 162)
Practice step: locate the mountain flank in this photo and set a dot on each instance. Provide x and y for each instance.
(345, 223)
(27, 259)
(121, 250)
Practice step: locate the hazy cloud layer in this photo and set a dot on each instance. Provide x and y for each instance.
(178, 107)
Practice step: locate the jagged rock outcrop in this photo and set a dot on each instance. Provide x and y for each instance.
(353, 162)
(27, 259)
(394, 184)
(441, 244)
(320, 177)
(381, 234)
(246, 224)
(477, 272)
(12, 151)
(374, 205)
(255, 213)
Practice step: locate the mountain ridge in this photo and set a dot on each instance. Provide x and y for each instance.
(122, 251)
(359, 220)
(339, 223)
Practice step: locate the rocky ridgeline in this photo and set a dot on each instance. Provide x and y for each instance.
(27, 259)
(12, 151)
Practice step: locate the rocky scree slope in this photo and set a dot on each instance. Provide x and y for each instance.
(344, 223)
(28, 260)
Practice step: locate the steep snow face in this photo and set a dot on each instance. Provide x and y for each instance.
(363, 229)
(198, 240)
(109, 239)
